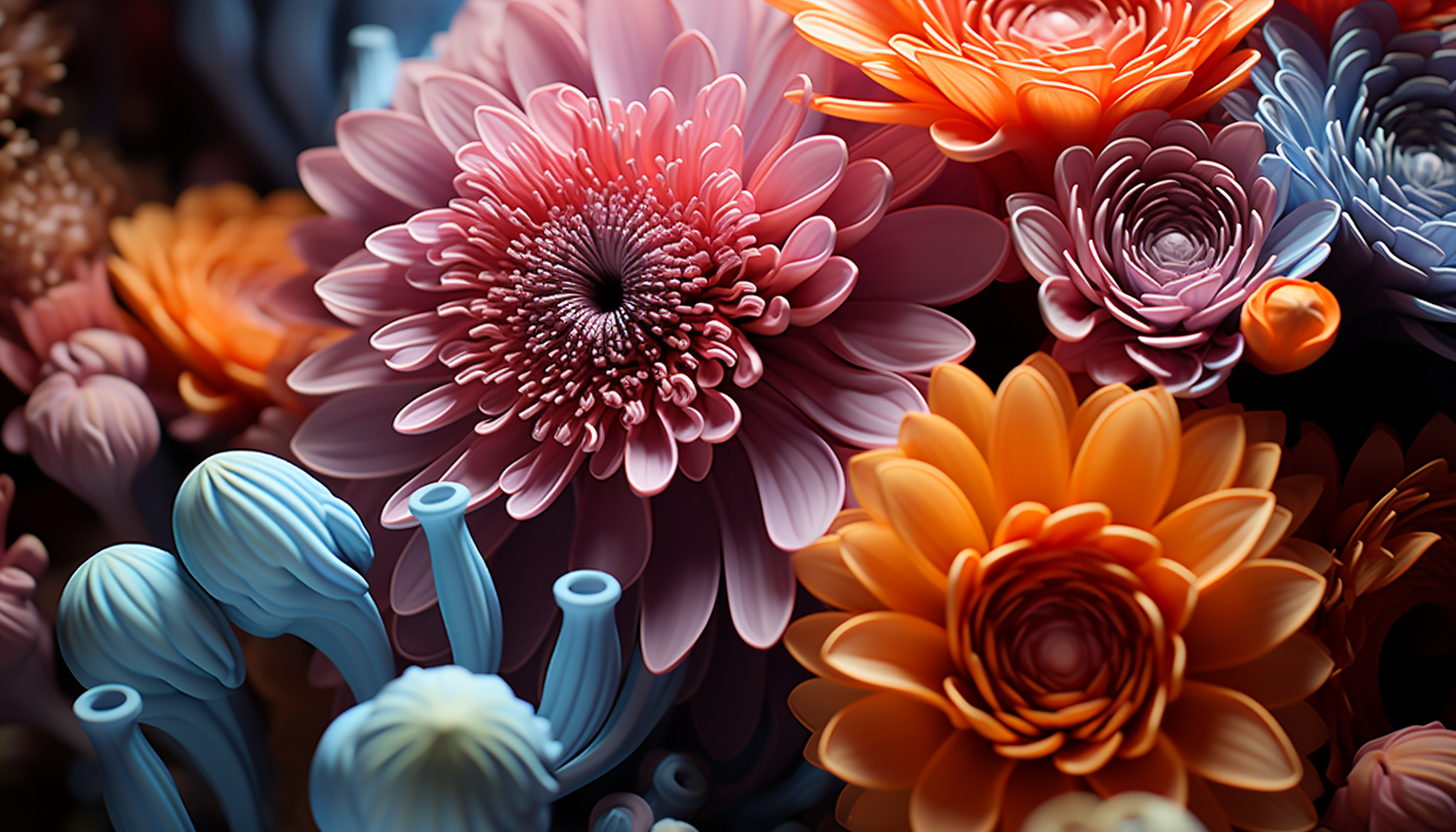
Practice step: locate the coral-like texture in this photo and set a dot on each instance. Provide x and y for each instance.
(1040, 595)
(1031, 76)
(201, 278)
(1150, 248)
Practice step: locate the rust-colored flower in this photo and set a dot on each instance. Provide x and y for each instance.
(1040, 595)
(1384, 537)
(1414, 14)
(1288, 324)
(1031, 76)
(201, 278)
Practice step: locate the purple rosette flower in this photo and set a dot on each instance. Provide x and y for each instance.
(1148, 249)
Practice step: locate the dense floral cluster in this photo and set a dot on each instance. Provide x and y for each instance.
(602, 408)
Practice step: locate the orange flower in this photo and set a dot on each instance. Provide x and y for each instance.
(1414, 14)
(1031, 76)
(1288, 324)
(200, 277)
(1040, 596)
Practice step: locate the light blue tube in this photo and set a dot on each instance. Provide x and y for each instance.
(372, 66)
(679, 787)
(139, 792)
(132, 615)
(468, 600)
(586, 664)
(281, 554)
(645, 697)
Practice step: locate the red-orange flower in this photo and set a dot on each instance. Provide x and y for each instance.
(1414, 14)
(1042, 595)
(1031, 76)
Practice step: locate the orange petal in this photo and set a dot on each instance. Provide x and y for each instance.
(1215, 532)
(1128, 546)
(1074, 524)
(1160, 771)
(873, 811)
(842, 38)
(882, 741)
(1083, 758)
(816, 701)
(1229, 738)
(822, 571)
(1090, 409)
(804, 639)
(937, 440)
(1057, 377)
(929, 512)
(970, 86)
(1212, 452)
(865, 482)
(1290, 810)
(1261, 465)
(1289, 673)
(1129, 460)
(1249, 612)
(1033, 783)
(1205, 806)
(900, 578)
(1303, 724)
(962, 397)
(961, 789)
(893, 650)
(1021, 522)
(1066, 112)
(1274, 533)
(1172, 588)
(1030, 459)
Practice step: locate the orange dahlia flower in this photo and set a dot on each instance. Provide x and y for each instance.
(1414, 14)
(1040, 595)
(1031, 76)
(200, 278)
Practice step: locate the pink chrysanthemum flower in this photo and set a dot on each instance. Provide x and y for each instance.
(628, 275)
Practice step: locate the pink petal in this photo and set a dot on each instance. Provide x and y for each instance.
(324, 241)
(414, 342)
(535, 480)
(330, 440)
(1069, 315)
(542, 48)
(1041, 238)
(908, 257)
(412, 583)
(800, 481)
(346, 365)
(337, 187)
(807, 248)
(858, 406)
(626, 39)
(370, 292)
(823, 293)
(688, 65)
(780, 124)
(398, 154)
(860, 201)
(1238, 147)
(798, 183)
(477, 463)
(895, 337)
(419, 638)
(912, 157)
(759, 575)
(651, 458)
(680, 583)
(437, 408)
(780, 54)
(449, 101)
(613, 528)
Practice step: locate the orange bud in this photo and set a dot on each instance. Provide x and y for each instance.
(1288, 324)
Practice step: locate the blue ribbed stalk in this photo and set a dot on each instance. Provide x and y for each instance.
(468, 600)
(139, 792)
(586, 664)
(640, 705)
(208, 730)
(352, 636)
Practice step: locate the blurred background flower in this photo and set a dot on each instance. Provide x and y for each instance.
(202, 278)
(1150, 248)
(1041, 595)
(1406, 780)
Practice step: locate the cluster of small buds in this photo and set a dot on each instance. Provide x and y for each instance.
(31, 46)
(54, 209)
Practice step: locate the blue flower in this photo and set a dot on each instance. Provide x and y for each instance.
(1371, 124)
